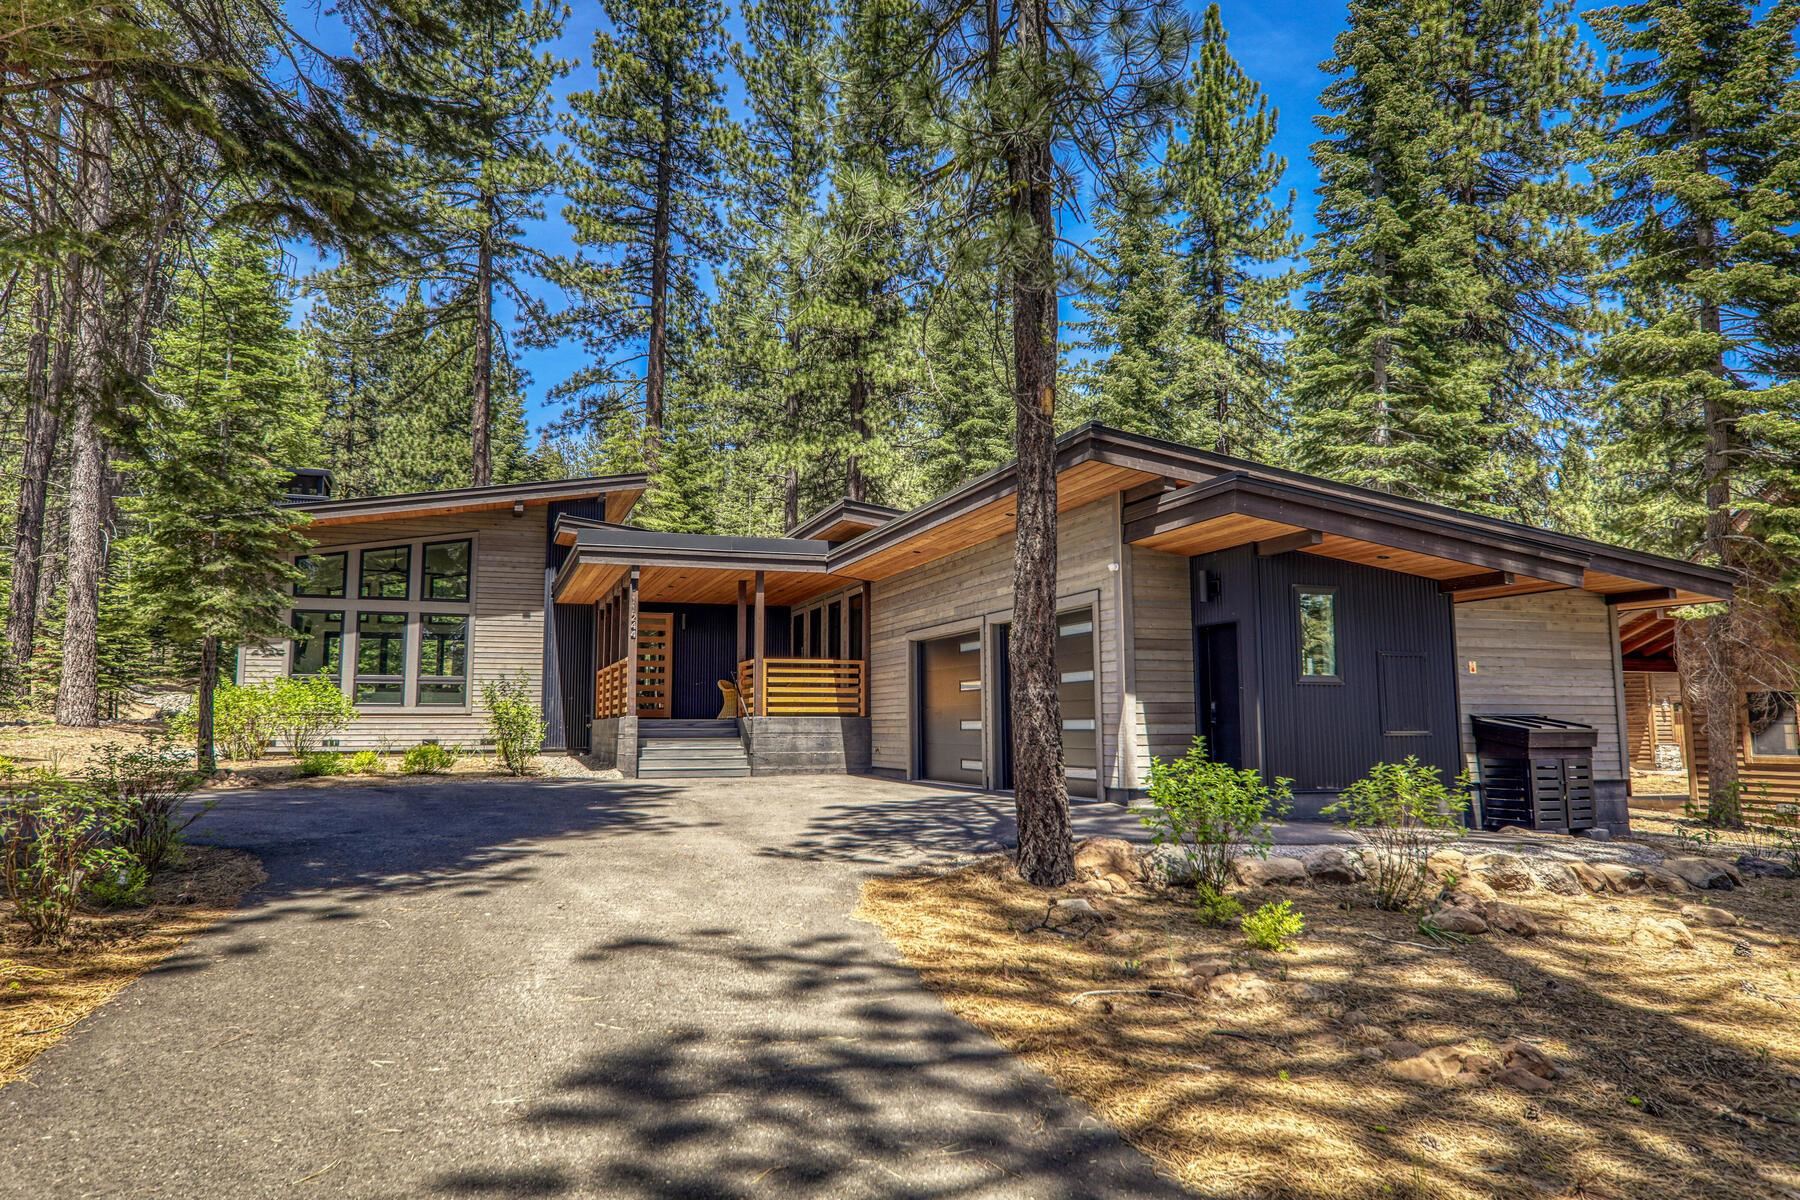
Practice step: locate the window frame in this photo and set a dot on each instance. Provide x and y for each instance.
(1336, 677)
(381, 678)
(343, 592)
(294, 648)
(412, 552)
(1751, 755)
(420, 678)
(426, 576)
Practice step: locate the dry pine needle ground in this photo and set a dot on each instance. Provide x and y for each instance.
(1682, 1067)
(46, 990)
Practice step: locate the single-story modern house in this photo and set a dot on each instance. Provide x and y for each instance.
(1305, 628)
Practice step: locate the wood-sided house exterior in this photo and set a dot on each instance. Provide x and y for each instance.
(1305, 628)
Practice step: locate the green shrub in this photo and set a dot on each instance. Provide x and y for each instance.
(146, 792)
(127, 887)
(515, 722)
(306, 708)
(243, 720)
(55, 837)
(324, 762)
(1402, 810)
(1273, 926)
(366, 762)
(429, 758)
(1214, 909)
(1212, 812)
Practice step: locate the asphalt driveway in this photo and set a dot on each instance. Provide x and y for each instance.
(557, 988)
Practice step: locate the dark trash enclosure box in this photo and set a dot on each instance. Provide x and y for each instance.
(1536, 771)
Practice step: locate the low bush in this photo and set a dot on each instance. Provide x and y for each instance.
(1214, 909)
(366, 762)
(243, 720)
(429, 758)
(1274, 926)
(305, 709)
(145, 791)
(56, 836)
(515, 722)
(127, 887)
(1403, 811)
(1212, 812)
(324, 762)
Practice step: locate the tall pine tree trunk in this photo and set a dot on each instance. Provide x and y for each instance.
(34, 483)
(78, 690)
(661, 225)
(790, 415)
(481, 420)
(204, 754)
(855, 487)
(1046, 853)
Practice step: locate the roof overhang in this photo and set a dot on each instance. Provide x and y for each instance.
(690, 568)
(844, 519)
(621, 493)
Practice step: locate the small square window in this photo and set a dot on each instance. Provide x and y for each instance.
(443, 659)
(446, 571)
(1318, 633)
(381, 658)
(322, 575)
(318, 644)
(1774, 725)
(385, 574)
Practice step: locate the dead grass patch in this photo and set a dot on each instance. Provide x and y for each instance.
(46, 990)
(1682, 1066)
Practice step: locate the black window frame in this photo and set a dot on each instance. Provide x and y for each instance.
(294, 616)
(362, 573)
(381, 678)
(427, 577)
(422, 679)
(343, 587)
(1336, 677)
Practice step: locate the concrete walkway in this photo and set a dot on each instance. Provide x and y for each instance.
(558, 988)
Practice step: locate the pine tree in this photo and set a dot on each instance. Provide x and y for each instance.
(1700, 170)
(965, 408)
(212, 547)
(345, 373)
(648, 142)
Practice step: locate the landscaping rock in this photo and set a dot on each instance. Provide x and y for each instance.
(1445, 1066)
(1240, 987)
(1510, 918)
(1400, 1048)
(1523, 1056)
(1328, 864)
(1663, 933)
(1503, 872)
(1522, 1080)
(1470, 892)
(1589, 878)
(1076, 906)
(1660, 879)
(1253, 872)
(1556, 876)
(1620, 878)
(1106, 858)
(1206, 968)
(1705, 873)
(1597, 834)
(1447, 862)
(1455, 919)
(1763, 868)
(1706, 914)
(1167, 866)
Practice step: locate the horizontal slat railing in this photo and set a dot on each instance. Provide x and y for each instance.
(610, 690)
(806, 687)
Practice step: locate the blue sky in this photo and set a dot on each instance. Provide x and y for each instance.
(1279, 44)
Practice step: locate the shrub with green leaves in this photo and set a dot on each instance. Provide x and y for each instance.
(1214, 909)
(243, 720)
(308, 708)
(1274, 926)
(146, 791)
(127, 887)
(514, 721)
(429, 758)
(55, 837)
(1212, 813)
(1403, 811)
(366, 762)
(324, 762)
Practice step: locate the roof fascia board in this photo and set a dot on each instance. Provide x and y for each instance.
(873, 515)
(498, 495)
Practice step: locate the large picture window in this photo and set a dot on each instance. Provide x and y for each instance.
(381, 658)
(323, 575)
(446, 571)
(385, 574)
(1318, 634)
(318, 644)
(1774, 725)
(443, 659)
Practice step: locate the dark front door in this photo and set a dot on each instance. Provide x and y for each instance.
(1217, 697)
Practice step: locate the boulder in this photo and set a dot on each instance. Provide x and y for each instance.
(1240, 987)
(1588, 876)
(1206, 968)
(1763, 868)
(1521, 1080)
(1445, 1066)
(1503, 872)
(1076, 906)
(1556, 876)
(1510, 918)
(1706, 914)
(1597, 834)
(1662, 933)
(1705, 873)
(1106, 859)
(1168, 866)
(1253, 872)
(1470, 892)
(1328, 864)
(1447, 862)
(1454, 919)
(1621, 878)
(1523, 1056)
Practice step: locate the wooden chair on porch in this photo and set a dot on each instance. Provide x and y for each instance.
(731, 704)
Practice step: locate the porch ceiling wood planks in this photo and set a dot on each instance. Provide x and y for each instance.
(695, 585)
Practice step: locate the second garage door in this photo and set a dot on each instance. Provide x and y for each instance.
(950, 710)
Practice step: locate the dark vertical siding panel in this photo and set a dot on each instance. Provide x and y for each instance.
(1234, 600)
(575, 668)
(593, 510)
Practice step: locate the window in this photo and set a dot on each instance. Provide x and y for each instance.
(324, 575)
(443, 659)
(318, 644)
(385, 574)
(446, 571)
(381, 658)
(1774, 725)
(1318, 634)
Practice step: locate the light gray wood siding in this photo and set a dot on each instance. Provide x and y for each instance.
(1162, 636)
(506, 628)
(1552, 653)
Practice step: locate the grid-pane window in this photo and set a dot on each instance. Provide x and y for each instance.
(381, 658)
(384, 574)
(318, 644)
(443, 659)
(1318, 634)
(1774, 725)
(446, 571)
(322, 575)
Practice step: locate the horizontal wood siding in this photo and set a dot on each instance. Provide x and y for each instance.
(1771, 786)
(1552, 653)
(1162, 624)
(976, 583)
(506, 629)
(1652, 715)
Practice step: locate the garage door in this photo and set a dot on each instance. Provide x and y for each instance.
(1075, 693)
(950, 710)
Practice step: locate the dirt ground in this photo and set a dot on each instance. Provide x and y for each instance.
(1679, 1068)
(46, 990)
(1658, 783)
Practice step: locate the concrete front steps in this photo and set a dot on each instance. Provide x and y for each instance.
(691, 750)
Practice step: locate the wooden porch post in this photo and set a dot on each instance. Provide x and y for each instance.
(631, 644)
(761, 649)
(741, 616)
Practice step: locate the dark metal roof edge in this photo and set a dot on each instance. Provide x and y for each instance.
(599, 484)
(877, 514)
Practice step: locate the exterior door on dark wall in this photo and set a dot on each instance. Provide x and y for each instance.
(1217, 694)
(949, 710)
